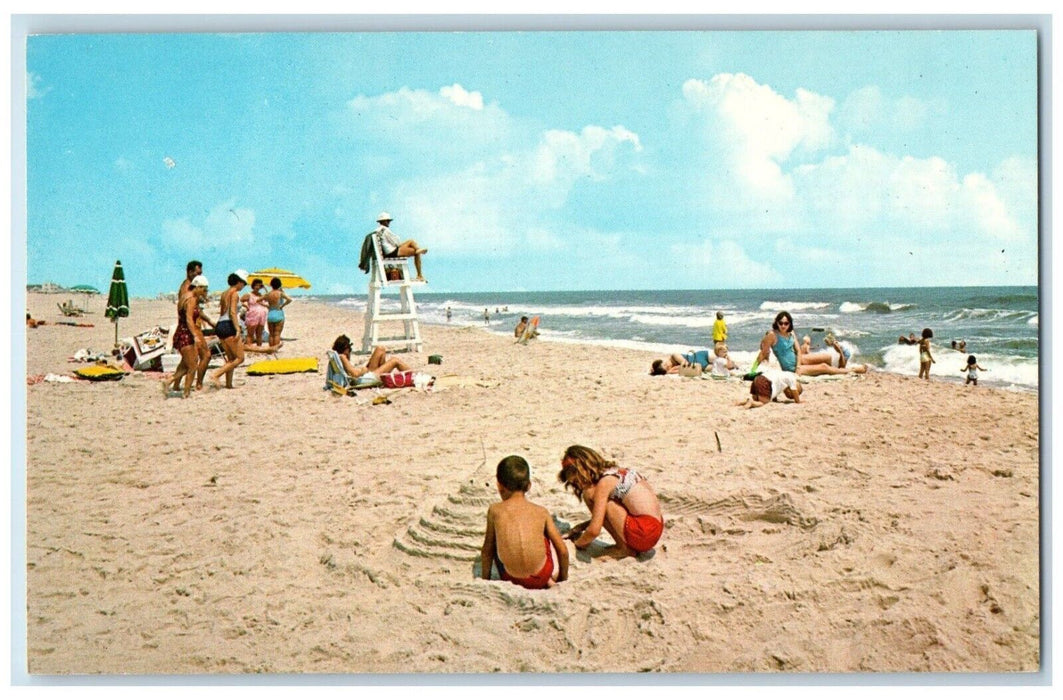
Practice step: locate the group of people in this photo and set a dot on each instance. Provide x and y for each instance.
(620, 500)
(926, 358)
(251, 314)
(794, 358)
(781, 341)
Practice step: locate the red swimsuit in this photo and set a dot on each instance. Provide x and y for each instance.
(183, 337)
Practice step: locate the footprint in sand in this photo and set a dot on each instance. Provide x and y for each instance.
(774, 508)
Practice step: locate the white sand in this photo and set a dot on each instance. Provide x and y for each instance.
(883, 525)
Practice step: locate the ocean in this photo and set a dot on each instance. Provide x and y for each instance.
(1001, 325)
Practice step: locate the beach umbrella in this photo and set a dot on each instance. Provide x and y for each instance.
(87, 290)
(118, 298)
(288, 278)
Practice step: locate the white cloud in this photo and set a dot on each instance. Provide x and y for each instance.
(420, 126)
(868, 109)
(182, 234)
(747, 131)
(493, 200)
(564, 156)
(225, 225)
(728, 264)
(462, 97)
(870, 192)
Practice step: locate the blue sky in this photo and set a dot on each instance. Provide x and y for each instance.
(537, 160)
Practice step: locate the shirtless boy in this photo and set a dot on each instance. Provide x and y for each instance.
(514, 528)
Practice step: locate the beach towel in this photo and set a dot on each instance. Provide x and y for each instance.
(99, 373)
(286, 366)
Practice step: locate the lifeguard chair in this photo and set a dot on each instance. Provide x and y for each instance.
(388, 273)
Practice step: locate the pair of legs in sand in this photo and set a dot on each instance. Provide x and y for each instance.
(826, 362)
(234, 357)
(193, 365)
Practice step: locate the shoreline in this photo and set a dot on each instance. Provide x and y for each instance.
(269, 529)
(743, 357)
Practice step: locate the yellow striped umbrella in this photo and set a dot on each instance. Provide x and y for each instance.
(288, 278)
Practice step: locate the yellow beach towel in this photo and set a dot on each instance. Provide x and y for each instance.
(99, 373)
(288, 365)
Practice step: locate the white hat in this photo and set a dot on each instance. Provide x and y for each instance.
(199, 281)
(383, 216)
(242, 274)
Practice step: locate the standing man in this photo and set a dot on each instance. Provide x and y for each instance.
(193, 269)
(390, 246)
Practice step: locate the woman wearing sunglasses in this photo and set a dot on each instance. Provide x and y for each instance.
(782, 341)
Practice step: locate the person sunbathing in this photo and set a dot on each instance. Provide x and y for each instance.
(836, 355)
(378, 363)
(674, 362)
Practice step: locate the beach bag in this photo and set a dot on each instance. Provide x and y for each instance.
(397, 380)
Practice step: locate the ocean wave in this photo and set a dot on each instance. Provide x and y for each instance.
(1034, 321)
(849, 333)
(557, 310)
(1015, 299)
(876, 307)
(991, 315)
(792, 306)
(1003, 369)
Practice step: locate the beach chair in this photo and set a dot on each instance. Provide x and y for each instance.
(336, 379)
(387, 273)
(338, 382)
(69, 309)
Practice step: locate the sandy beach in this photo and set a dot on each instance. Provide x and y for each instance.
(885, 524)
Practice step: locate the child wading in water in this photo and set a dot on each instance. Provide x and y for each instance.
(925, 358)
(620, 500)
(972, 370)
(514, 527)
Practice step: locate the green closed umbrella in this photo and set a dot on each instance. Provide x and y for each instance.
(118, 299)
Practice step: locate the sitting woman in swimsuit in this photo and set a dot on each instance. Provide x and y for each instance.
(620, 500)
(378, 363)
(836, 355)
(782, 341)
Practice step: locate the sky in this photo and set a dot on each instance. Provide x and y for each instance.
(529, 160)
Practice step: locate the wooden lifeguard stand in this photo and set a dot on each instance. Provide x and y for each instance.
(387, 273)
